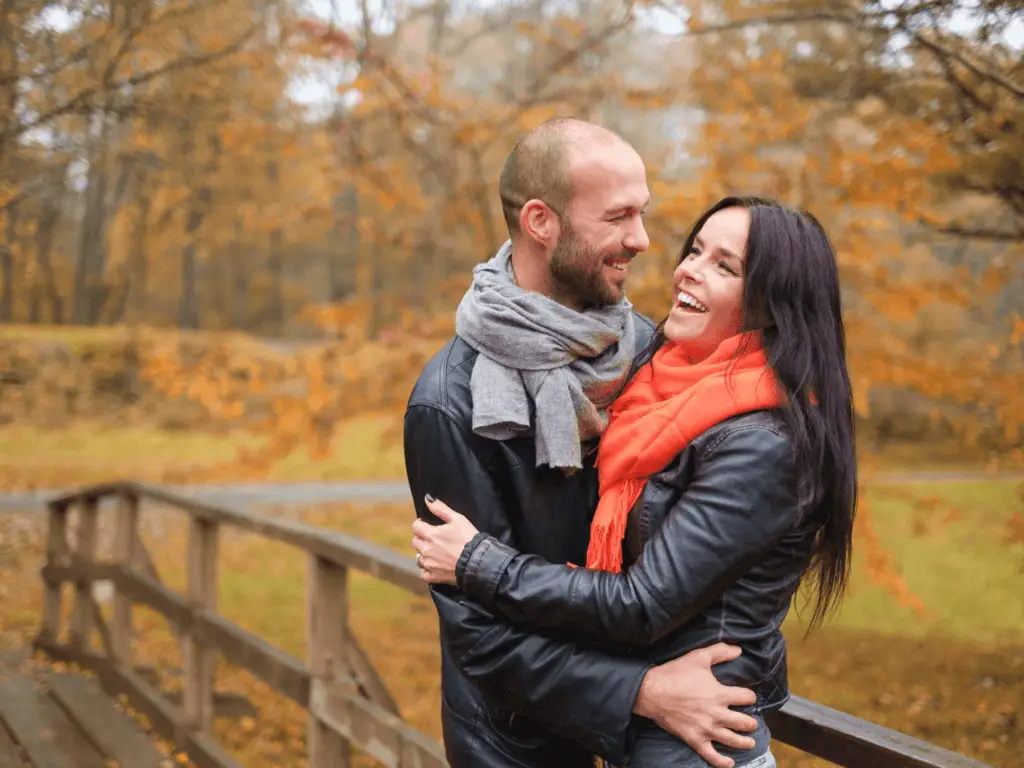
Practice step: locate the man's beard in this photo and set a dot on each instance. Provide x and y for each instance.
(576, 268)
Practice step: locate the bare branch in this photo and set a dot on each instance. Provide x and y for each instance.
(940, 50)
(84, 99)
(981, 233)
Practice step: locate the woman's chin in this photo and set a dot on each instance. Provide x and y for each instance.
(682, 329)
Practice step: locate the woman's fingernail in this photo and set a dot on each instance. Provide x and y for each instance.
(430, 499)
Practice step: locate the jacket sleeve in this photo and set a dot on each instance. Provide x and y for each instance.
(742, 500)
(576, 691)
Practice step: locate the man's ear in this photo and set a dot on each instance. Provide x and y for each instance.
(539, 223)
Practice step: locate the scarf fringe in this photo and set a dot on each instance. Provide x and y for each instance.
(605, 550)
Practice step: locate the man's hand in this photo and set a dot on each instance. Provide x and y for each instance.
(685, 699)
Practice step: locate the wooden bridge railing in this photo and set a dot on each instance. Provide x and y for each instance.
(346, 700)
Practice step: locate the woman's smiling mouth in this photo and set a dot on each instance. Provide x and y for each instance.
(689, 303)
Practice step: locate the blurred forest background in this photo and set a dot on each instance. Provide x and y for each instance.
(232, 231)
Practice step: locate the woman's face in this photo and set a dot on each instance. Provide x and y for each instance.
(708, 285)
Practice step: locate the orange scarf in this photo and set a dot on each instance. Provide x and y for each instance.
(663, 408)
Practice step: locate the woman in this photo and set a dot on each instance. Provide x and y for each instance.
(727, 473)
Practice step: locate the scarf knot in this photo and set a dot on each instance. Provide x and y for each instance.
(542, 367)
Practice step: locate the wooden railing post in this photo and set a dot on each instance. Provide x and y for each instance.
(327, 654)
(56, 554)
(125, 538)
(200, 660)
(85, 554)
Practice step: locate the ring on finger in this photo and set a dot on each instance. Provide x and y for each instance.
(419, 559)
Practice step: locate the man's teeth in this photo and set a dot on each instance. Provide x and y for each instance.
(619, 265)
(687, 300)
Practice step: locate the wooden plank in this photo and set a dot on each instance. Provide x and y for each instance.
(371, 684)
(101, 628)
(113, 733)
(199, 659)
(141, 589)
(56, 553)
(117, 681)
(339, 548)
(327, 655)
(85, 552)
(76, 571)
(126, 536)
(205, 752)
(93, 492)
(851, 742)
(375, 731)
(165, 718)
(278, 669)
(10, 753)
(231, 706)
(39, 727)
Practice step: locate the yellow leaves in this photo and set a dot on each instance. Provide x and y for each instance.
(879, 562)
(996, 277)
(1017, 334)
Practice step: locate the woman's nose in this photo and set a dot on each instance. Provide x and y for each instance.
(688, 272)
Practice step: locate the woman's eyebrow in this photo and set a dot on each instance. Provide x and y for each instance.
(697, 240)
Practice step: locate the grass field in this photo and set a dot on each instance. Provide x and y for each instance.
(952, 673)
(82, 453)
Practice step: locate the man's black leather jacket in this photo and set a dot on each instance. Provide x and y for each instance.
(499, 678)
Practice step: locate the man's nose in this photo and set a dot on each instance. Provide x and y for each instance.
(636, 238)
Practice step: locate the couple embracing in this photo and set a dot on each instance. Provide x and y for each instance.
(615, 517)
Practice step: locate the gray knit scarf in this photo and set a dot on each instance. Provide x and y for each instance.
(541, 359)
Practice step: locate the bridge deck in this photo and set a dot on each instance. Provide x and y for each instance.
(52, 720)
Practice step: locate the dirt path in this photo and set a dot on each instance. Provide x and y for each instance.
(397, 490)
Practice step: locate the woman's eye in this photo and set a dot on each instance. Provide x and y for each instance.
(725, 265)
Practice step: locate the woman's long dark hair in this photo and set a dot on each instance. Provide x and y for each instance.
(791, 295)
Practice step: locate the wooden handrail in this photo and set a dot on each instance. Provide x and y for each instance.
(348, 703)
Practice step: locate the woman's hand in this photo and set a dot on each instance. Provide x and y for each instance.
(438, 547)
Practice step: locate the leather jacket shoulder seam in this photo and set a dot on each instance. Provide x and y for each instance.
(735, 430)
(437, 407)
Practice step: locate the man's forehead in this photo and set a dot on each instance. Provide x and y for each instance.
(617, 178)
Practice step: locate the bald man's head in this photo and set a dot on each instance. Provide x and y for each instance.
(539, 166)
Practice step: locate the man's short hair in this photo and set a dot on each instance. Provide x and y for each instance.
(538, 166)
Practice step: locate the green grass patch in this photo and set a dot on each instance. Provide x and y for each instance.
(366, 449)
(949, 543)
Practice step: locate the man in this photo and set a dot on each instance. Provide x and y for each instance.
(502, 425)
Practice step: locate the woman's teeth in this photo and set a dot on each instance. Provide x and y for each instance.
(687, 300)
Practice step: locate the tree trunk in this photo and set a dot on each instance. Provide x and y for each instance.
(239, 281)
(275, 266)
(188, 307)
(90, 257)
(49, 218)
(342, 256)
(7, 265)
(275, 260)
